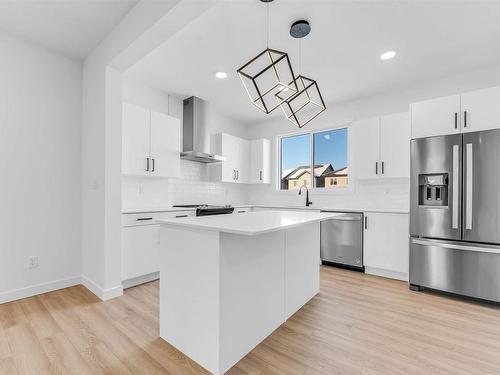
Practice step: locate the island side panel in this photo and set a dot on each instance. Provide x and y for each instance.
(189, 293)
(302, 262)
(252, 292)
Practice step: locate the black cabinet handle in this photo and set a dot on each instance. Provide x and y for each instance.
(260, 175)
(153, 160)
(456, 120)
(465, 119)
(237, 174)
(366, 222)
(181, 215)
(144, 218)
(147, 164)
(376, 167)
(383, 163)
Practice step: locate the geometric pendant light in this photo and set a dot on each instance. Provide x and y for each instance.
(268, 78)
(307, 103)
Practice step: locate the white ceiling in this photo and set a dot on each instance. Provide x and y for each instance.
(433, 39)
(71, 27)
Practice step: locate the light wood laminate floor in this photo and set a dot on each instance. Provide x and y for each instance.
(358, 324)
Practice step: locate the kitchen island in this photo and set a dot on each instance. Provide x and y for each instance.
(228, 281)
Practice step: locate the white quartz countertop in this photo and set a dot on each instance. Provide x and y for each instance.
(311, 208)
(251, 223)
(155, 209)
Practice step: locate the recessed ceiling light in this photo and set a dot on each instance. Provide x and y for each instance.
(221, 75)
(387, 55)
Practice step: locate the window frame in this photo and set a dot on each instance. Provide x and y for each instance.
(338, 189)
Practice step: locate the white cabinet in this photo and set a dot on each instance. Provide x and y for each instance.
(381, 147)
(135, 140)
(435, 117)
(386, 244)
(165, 145)
(480, 110)
(365, 141)
(150, 143)
(235, 167)
(140, 250)
(395, 145)
(467, 112)
(260, 161)
(246, 161)
(141, 245)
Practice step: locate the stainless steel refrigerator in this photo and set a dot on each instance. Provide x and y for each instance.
(455, 214)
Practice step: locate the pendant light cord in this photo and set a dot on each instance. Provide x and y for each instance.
(267, 41)
(300, 56)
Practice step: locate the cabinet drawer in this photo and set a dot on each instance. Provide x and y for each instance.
(150, 218)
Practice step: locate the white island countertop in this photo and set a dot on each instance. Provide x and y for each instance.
(251, 223)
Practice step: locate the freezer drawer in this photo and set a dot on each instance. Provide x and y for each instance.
(456, 267)
(342, 240)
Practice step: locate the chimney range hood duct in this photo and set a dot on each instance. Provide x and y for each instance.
(195, 136)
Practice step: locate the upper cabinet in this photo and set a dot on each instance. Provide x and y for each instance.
(395, 145)
(463, 113)
(260, 161)
(365, 142)
(150, 143)
(435, 117)
(381, 147)
(246, 161)
(135, 140)
(481, 110)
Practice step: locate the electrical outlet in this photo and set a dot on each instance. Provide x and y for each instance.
(33, 262)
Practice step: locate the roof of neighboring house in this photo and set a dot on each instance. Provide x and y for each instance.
(319, 170)
(338, 173)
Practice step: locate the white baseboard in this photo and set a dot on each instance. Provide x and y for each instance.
(101, 293)
(403, 276)
(140, 280)
(33, 290)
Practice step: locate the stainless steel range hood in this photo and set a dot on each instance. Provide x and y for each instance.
(195, 135)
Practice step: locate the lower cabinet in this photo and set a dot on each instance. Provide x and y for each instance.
(141, 246)
(140, 250)
(386, 244)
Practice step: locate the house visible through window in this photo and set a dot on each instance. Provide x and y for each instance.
(327, 161)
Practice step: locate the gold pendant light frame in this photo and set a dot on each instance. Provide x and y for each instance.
(277, 72)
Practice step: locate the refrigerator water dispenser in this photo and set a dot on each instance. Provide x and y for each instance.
(433, 190)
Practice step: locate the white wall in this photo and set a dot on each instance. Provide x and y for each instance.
(40, 161)
(365, 194)
(194, 185)
(144, 28)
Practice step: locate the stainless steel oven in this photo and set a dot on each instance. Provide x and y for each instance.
(342, 240)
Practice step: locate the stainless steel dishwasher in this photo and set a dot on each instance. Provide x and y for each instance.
(342, 240)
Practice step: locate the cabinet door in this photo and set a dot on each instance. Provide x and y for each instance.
(365, 143)
(386, 244)
(242, 161)
(260, 161)
(140, 250)
(481, 110)
(228, 149)
(165, 145)
(135, 140)
(433, 117)
(395, 145)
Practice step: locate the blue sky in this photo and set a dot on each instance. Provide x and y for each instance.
(330, 147)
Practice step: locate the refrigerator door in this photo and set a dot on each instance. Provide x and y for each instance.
(457, 267)
(481, 197)
(435, 187)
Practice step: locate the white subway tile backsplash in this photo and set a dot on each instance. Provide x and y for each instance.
(192, 187)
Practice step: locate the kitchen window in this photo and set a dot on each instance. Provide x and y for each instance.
(324, 153)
